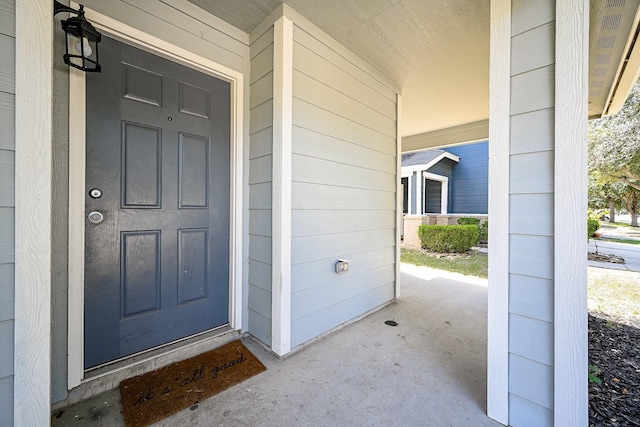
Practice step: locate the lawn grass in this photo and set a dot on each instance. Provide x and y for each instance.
(472, 263)
(605, 224)
(611, 292)
(616, 224)
(616, 294)
(626, 241)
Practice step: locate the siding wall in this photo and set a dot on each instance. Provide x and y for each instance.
(344, 183)
(531, 241)
(260, 186)
(60, 213)
(469, 186)
(182, 24)
(7, 207)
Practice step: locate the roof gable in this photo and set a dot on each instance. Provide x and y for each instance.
(427, 158)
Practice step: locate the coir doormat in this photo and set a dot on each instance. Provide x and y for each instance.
(155, 395)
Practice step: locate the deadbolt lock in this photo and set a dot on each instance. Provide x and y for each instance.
(95, 217)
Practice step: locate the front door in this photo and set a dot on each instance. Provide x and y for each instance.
(157, 203)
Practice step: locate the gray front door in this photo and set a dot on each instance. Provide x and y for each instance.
(158, 162)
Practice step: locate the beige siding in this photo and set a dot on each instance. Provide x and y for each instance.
(174, 22)
(260, 186)
(343, 188)
(7, 207)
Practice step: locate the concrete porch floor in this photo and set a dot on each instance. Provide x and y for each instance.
(430, 370)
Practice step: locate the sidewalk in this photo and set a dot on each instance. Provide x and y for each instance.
(630, 253)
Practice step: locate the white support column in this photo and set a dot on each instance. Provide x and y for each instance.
(444, 196)
(282, 145)
(34, 95)
(498, 293)
(537, 329)
(420, 208)
(570, 312)
(399, 193)
(410, 187)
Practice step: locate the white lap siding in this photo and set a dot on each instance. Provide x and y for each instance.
(7, 207)
(260, 186)
(531, 241)
(343, 189)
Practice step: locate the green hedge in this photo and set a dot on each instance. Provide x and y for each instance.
(448, 238)
(465, 220)
(483, 228)
(484, 232)
(592, 226)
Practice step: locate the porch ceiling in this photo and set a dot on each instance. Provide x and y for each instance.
(438, 51)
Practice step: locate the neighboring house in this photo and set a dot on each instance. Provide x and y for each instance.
(455, 181)
(256, 149)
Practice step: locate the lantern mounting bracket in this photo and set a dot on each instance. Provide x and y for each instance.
(59, 8)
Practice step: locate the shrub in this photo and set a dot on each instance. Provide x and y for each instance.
(468, 221)
(448, 238)
(592, 226)
(482, 228)
(484, 232)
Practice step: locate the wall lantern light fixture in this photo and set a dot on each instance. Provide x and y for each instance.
(82, 39)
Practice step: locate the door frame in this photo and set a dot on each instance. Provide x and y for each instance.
(77, 128)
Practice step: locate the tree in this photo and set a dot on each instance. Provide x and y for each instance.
(614, 157)
(603, 194)
(631, 200)
(614, 142)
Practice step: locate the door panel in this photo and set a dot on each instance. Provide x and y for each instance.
(158, 147)
(141, 167)
(140, 278)
(192, 264)
(194, 171)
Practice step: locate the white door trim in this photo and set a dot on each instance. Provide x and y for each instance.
(142, 40)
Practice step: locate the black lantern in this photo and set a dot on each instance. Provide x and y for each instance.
(82, 39)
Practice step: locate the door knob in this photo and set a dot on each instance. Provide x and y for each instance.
(95, 217)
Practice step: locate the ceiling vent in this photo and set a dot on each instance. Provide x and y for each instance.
(599, 72)
(606, 42)
(614, 3)
(611, 22)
